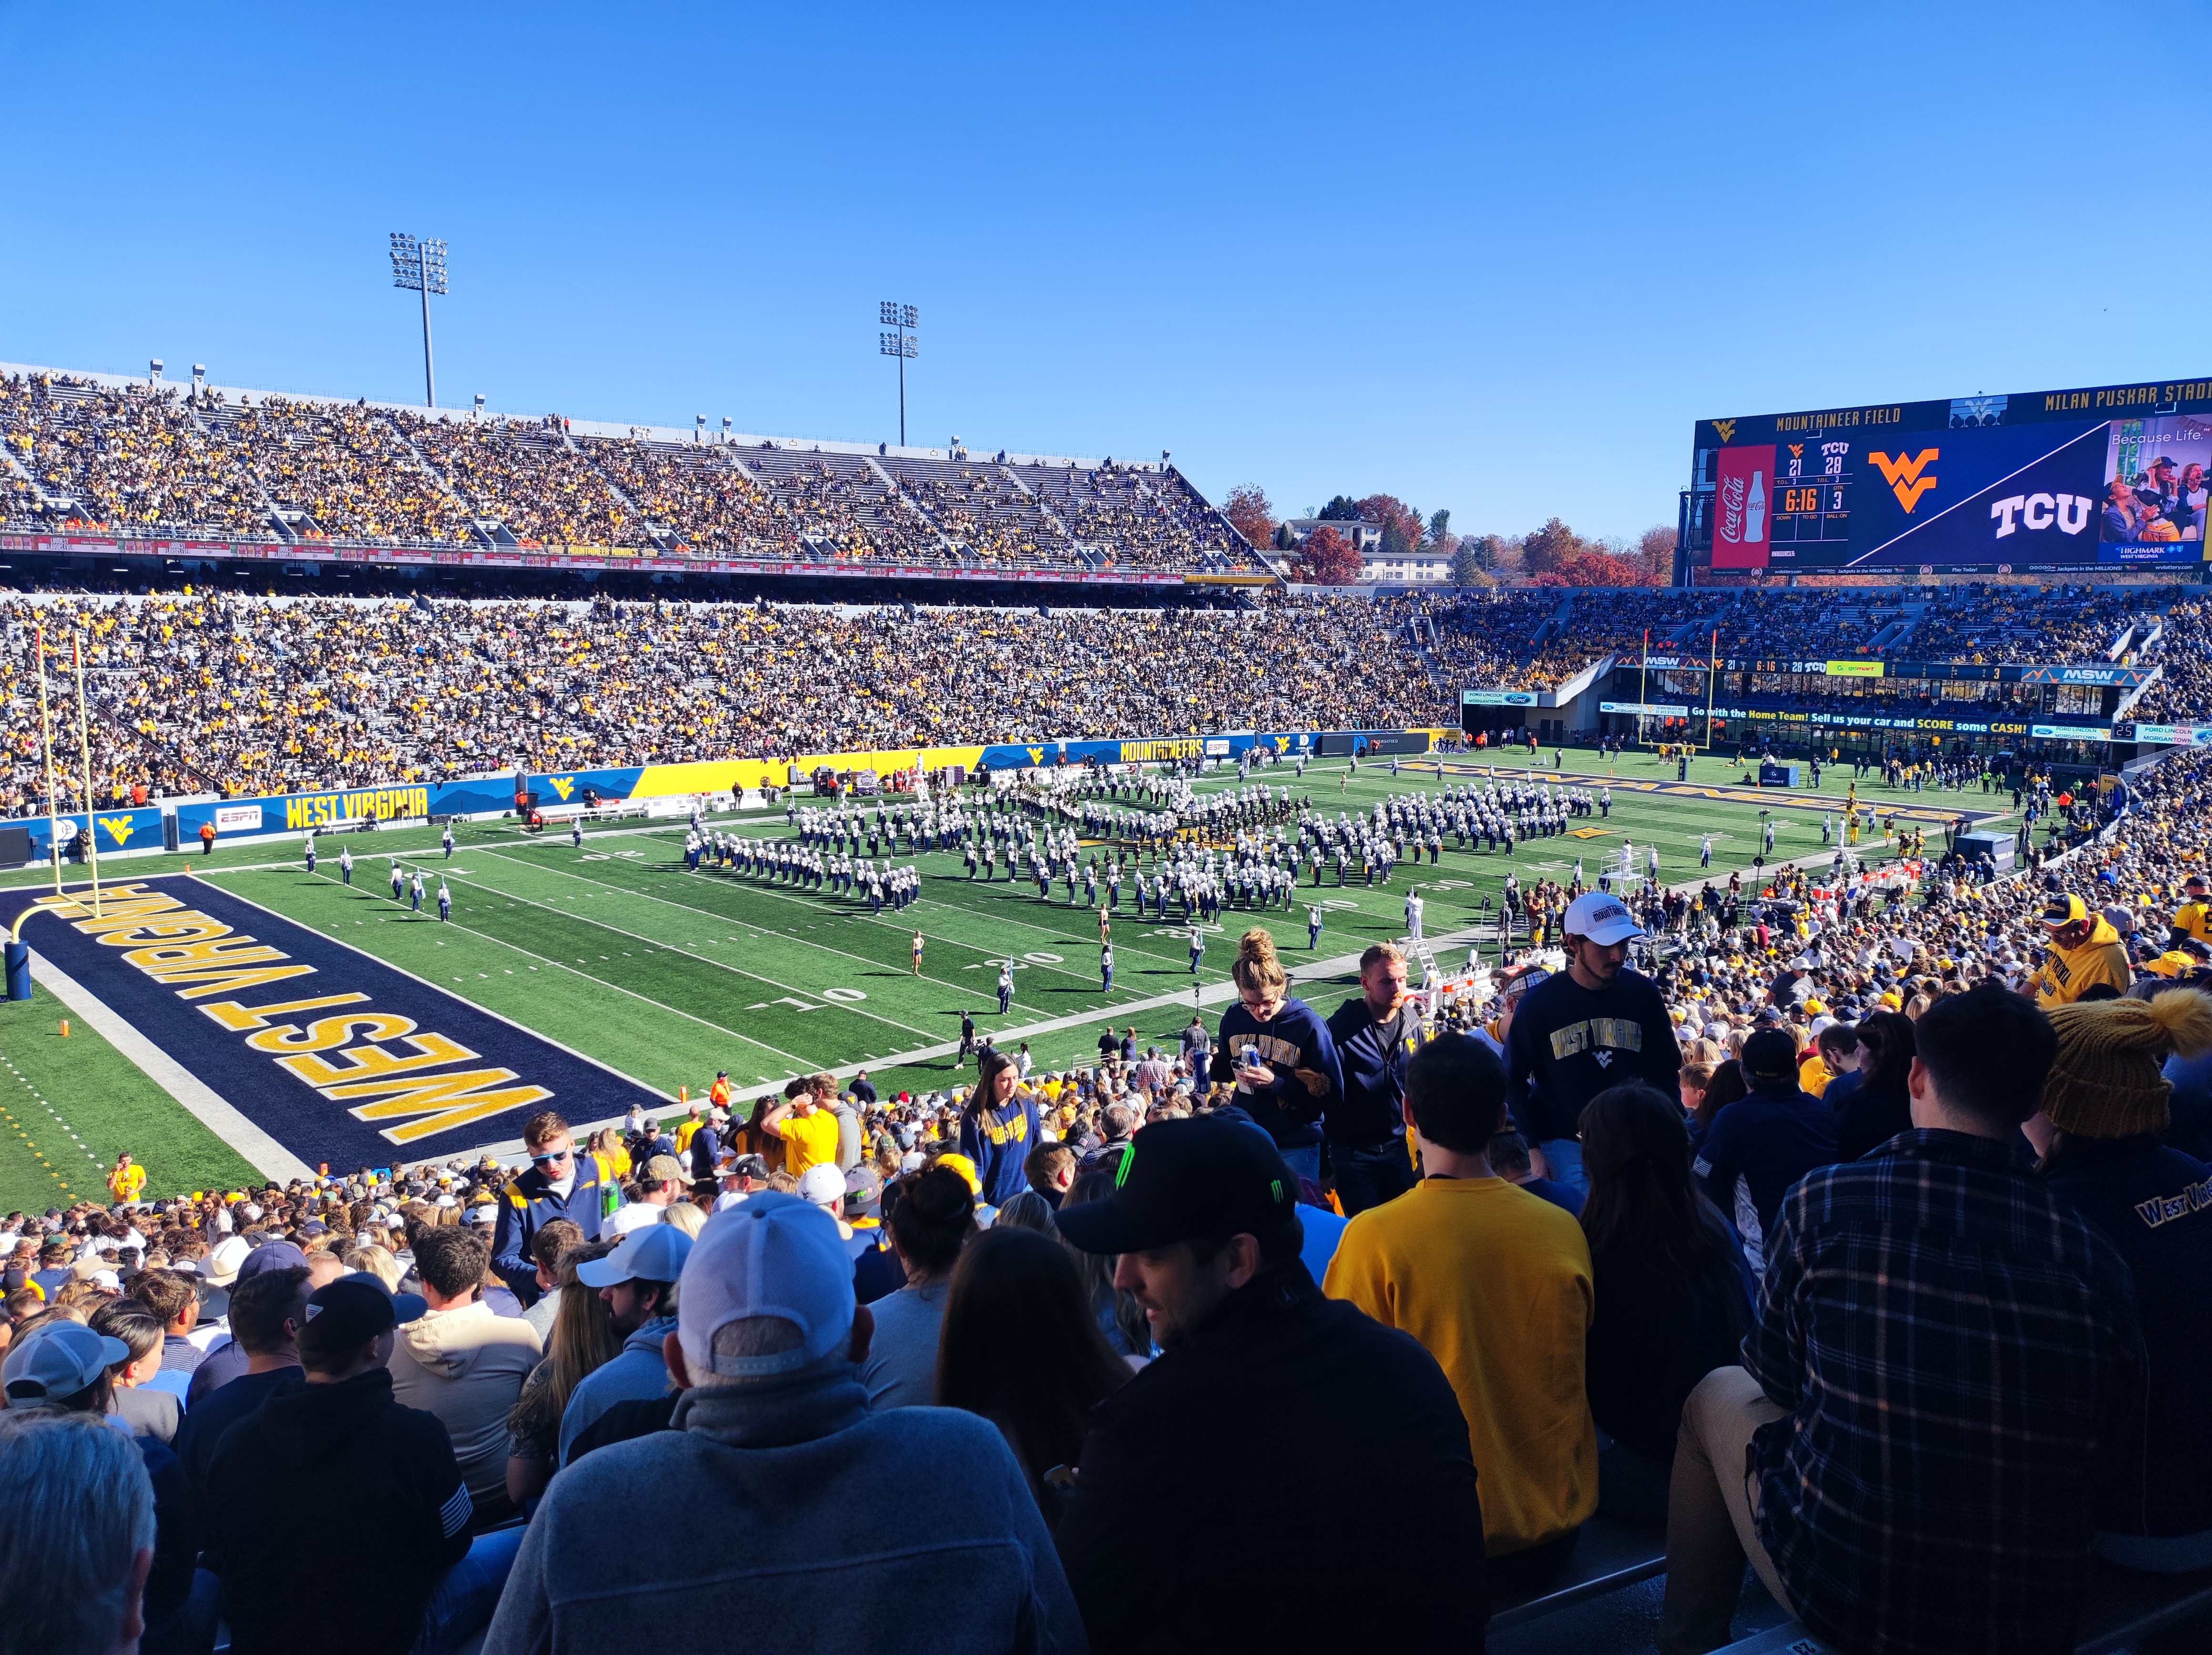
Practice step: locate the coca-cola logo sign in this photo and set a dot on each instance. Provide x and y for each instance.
(1741, 506)
(1731, 524)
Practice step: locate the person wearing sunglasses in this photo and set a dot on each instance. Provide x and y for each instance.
(558, 1184)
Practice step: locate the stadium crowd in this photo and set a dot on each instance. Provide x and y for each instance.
(346, 467)
(1977, 621)
(1527, 1279)
(190, 461)
(2182, 693)
(130, 458)
(208, 691)
(204, 690)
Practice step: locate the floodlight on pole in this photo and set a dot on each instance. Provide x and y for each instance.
(901, 343)
(419, 266)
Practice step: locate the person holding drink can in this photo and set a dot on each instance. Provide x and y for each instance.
(1279, 1052)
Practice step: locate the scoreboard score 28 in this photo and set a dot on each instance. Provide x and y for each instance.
(2042, 482)
(1813, 507)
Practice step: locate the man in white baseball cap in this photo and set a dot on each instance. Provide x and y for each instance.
(773, 1449)
(1595, 1024)
(55, 1365)
(824, 1186)
(637, 1282)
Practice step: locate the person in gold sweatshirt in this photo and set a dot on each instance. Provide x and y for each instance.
(2085, 951)
(1495, 1282)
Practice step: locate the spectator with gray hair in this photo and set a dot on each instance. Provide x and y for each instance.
(73, 1583)
(62, 1368)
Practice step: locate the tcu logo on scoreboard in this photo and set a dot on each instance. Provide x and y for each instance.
(2068, 513)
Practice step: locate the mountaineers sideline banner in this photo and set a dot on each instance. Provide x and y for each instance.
(337, 1056)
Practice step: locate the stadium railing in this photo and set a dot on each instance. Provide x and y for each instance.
(2122, 1608)
(1608, 1557)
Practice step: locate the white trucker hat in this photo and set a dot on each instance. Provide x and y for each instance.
(1601, 917)
(776, 1255)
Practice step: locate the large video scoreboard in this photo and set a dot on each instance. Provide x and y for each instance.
(2047, 481)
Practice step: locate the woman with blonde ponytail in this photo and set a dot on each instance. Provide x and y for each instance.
(1278, 1052)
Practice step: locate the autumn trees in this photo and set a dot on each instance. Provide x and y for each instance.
(1550, 556)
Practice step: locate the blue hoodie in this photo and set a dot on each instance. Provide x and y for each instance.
(999, 1141)
(1295, 1039)
(767, 1477)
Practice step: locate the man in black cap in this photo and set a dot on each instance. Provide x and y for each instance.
(342, 1433)
(1761, 1144)
(1218, 1438)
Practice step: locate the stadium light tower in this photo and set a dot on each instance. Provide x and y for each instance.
(420, 267)
(901, 344)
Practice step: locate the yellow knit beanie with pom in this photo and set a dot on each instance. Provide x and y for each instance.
(2105, 1083)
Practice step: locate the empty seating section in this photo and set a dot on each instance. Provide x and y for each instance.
(841, 506)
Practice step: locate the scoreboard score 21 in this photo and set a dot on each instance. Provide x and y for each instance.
(2043, 482)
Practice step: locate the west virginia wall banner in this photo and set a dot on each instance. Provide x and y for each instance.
(339, 1057)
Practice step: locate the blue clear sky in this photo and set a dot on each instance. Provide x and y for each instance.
(1495, 259)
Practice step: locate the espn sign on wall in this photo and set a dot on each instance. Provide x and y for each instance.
(1744, 482)
(238, 819)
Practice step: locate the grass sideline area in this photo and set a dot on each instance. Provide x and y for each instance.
(70, 1105)
(665, 976)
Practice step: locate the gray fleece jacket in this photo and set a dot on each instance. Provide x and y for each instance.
(782, 1516)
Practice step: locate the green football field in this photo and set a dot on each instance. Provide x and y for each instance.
(617, 952)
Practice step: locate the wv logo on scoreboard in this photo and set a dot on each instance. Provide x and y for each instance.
(1908, 476)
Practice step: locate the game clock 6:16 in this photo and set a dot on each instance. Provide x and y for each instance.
(1810, 511)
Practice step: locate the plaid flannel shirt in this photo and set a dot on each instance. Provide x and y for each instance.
(1957, 1351)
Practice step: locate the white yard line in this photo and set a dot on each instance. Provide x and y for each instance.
(598, 982)
(267, 1156)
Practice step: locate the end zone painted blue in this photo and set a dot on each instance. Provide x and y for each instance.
(379, 1076)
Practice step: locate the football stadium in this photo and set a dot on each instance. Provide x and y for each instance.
(956, 1012)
